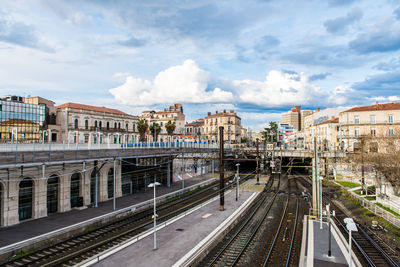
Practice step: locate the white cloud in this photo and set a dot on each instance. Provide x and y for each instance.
(279, 88)
(185, 83)
(258, 121)
(383, 99)
(340, 94)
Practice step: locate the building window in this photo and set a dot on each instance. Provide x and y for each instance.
(391, 131)
(108, 125)
(86, 124)
(115, 125)
(119, 125)
(373, 131)
(372, 119)
(100, 124)
(126, 127)
(133, 127)
(390, 118)
(76, 123)
(357, 132)
(95, 124)
(356, 120)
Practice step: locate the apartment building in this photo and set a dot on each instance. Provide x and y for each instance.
(378, 120)
(229, 120)
(295, 117)
(173, 113)
(326, 133)
(91, 124)
(195, 128)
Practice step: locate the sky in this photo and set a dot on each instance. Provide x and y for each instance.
(258, 57)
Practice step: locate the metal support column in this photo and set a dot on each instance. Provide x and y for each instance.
(221, 169)
(258, 163)
(314, 180)
(168, 174)
(114, 183)
(96, 185)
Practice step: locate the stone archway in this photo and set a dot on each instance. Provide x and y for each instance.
(52, 194)
(25, 199)
(110, 183)
(75, 190)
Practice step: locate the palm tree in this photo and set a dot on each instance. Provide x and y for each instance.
(142, 127)
(170, 127)
(155, 130)
(270, 134)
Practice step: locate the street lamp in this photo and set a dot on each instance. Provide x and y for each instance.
(237, 181)
(330, 222)
(154, 185)
(351, 226)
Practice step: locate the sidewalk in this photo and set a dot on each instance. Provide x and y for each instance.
(30, 229)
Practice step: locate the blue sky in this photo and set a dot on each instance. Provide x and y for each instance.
(258, 57)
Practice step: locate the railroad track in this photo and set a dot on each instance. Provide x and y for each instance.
(280, 249)
(79, 248)
(368, 250)
(231, 252)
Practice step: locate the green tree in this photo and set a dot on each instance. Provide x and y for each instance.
(155, 130)
(170, 127)
(142, 127)
(270, 134)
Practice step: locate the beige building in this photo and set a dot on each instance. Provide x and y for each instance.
(229, 120)
(173, 113)
(380, 120)
(195, 128)
(327, 134)
(92, 125)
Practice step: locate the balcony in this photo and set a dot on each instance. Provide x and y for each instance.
(368, 122)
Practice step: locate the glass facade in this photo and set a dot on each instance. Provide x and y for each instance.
(28, 119)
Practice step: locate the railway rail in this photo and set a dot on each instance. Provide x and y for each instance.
(81, 247)
(231, 252)
(280, 249)
(368, 250)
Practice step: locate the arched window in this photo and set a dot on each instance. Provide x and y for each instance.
(119, 125)
(115, 125)
(100, 124)
(76, 123)
(86, 124)
(127, 127)
(95, 124)
(108, 125)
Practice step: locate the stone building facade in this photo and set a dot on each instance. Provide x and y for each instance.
(84, 124)
(229, 120)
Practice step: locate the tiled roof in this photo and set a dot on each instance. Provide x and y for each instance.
(376, 107)
(334, 120)
(92, 108)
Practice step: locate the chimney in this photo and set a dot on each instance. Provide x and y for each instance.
(216, 112)
(208, 113)
(376, 103)
(231, 111)
(318, 109)
(224, 110)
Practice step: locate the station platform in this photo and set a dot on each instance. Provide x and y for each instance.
(27, 233)
(315, 246)
(180, 242)
(252, 186)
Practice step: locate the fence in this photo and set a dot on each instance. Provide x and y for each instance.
(73, 147)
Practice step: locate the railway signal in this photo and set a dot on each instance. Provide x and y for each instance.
(278, 165)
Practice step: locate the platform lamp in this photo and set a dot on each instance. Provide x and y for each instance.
(154, 185)
(351, 226)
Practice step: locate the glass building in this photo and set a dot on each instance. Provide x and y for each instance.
(27, 119)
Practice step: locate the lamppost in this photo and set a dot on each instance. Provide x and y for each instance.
(155, 214)
(330, 222)
(351, 226)
(237, 181)
(320, 201)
